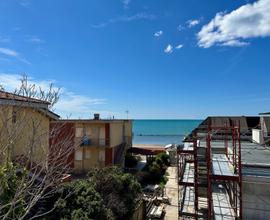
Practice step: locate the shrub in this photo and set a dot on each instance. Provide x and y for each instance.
(130, 160)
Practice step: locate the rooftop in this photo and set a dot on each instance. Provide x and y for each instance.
(7, 98)
(264, 113)
(93, 120)
(12, 96)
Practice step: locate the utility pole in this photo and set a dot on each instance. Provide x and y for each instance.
(127, 112)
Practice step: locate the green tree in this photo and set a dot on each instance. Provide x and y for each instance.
(154, 171)
(79, 200)
(120, 191)
(130, 160)
(165, 158)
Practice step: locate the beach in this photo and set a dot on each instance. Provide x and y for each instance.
(151, 146)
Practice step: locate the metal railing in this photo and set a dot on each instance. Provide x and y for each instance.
(94, 142)
(102, 142)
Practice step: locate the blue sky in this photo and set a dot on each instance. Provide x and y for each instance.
(155, 58)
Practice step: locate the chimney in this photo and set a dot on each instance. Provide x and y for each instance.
(96, 116)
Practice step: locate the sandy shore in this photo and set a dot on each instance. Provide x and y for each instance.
(148, 146)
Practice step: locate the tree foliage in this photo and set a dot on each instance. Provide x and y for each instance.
(107, 194)
(119, 190)
(155, 169)
(130, 160)
(79, 200)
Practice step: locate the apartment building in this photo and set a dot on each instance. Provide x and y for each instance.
(24, 127)
(96, 142)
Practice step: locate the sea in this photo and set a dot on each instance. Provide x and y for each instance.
(162, 132)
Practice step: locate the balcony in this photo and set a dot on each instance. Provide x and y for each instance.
(94, 142)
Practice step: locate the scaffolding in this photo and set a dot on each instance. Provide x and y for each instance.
(210, 175)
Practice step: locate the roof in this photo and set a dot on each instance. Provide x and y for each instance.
(12, 96)
(7, 98)
(146, 151)
(49, 113)
(246, 123)
(264, 113)
(92, 120)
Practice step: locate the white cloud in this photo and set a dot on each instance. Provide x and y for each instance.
(69, 102)
(179, 46)
(138, 16)
(158, 33)
(168, 49)
(232, 29)
(126, 3)
(8, 52)
(14, 54)
(192, 23)
(9, 82)
(234, 43)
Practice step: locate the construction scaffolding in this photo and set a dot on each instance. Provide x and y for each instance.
(210, 175)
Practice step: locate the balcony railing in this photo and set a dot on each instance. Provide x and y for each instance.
(101, 142)
(94, 142)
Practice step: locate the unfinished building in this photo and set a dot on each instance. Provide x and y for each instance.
(222, 173)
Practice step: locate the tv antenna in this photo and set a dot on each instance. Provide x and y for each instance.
(127, 112)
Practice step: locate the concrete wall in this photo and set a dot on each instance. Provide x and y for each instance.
(120, 131)
(256, 198)
(24, 129)
(128, 132)
(257, 136)
(116, 133)
(89, 157)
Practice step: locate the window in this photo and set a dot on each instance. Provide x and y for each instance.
(79, 132)
(102, 156)
(14, 117)
(88, 131)
(87, 154)
(78, 155)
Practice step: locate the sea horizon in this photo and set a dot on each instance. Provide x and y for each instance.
(161, 132)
